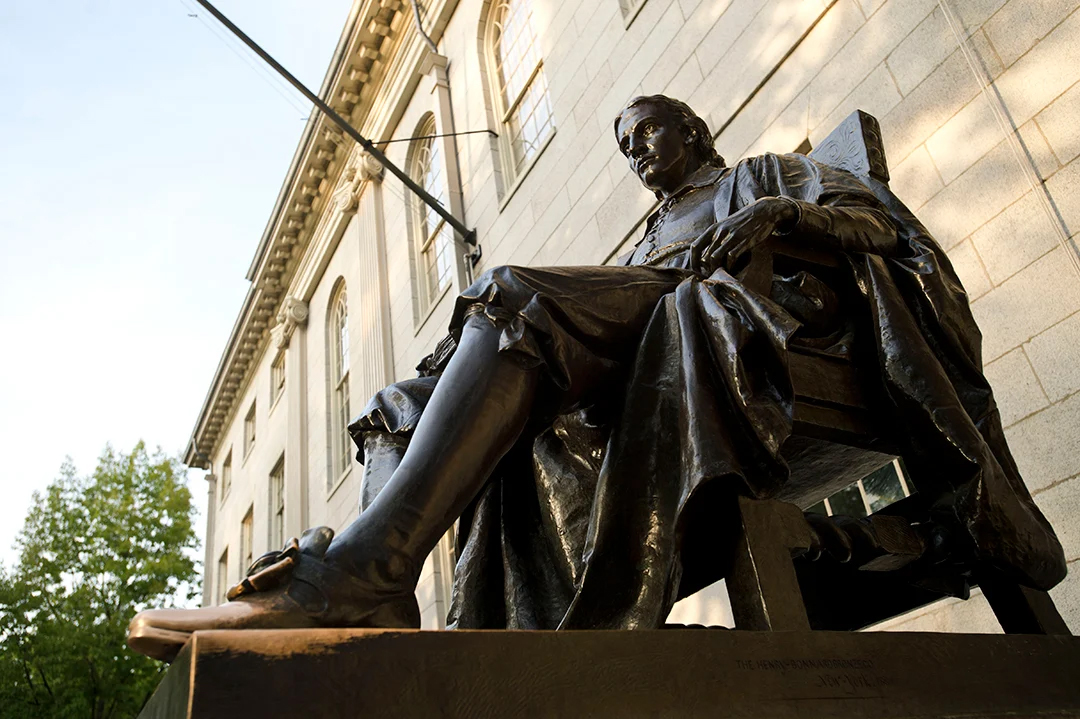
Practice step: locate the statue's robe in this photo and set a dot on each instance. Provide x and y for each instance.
(666, 392)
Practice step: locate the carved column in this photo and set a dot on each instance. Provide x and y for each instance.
(290, 336)
(435, 67)
(210, 556)
(376, 355)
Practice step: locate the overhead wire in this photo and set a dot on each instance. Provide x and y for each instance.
(278, 85)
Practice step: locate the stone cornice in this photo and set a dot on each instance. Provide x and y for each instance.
(316, 181)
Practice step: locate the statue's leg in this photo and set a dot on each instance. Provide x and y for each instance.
(367, 575)
(475, 414)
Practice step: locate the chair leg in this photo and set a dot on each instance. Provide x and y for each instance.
(763, 587)
(1020, 609)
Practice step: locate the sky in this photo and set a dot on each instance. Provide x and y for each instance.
(141, 153)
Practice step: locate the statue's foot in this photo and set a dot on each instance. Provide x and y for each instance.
(290, 589)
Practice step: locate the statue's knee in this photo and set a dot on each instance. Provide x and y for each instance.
(500, 272)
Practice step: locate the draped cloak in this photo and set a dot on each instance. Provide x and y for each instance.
(665, 392)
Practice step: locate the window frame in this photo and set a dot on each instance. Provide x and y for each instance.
(249, 431)
(905, 488)
(505, 107)
(429, 249)
(247, 542)
(277, 378)
(223, 576)
(226, 476)
(338, 446)
(276, 507)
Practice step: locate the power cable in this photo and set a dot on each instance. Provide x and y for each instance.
(272, 80)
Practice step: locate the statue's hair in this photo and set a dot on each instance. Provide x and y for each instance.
(703, 139)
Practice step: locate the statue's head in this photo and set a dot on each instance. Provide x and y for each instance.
(664, 140)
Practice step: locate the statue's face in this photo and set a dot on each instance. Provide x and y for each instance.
(654, 143)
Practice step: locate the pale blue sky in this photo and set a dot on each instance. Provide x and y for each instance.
(139, 161)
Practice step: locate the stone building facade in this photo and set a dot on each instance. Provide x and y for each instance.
(352, 283)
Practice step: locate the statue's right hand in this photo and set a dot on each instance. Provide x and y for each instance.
(730, 239)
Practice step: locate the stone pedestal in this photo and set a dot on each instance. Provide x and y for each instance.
(671, 673)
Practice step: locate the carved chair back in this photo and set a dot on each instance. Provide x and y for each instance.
(840, 437)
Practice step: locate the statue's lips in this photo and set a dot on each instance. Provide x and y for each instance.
(644, 162)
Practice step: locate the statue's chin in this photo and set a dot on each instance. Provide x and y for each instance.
(655, 178)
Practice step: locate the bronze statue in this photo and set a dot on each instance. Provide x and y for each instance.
(592, 427)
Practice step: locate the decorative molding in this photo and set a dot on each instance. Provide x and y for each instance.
(431, 61)
(855, 145)
(370, 169)
(292, 314)
(346, 196)
(361, 168)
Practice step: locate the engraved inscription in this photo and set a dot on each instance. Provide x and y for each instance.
(823, 677)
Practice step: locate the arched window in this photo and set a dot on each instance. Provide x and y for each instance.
(518, 84)
(338, 352)
(433, 238)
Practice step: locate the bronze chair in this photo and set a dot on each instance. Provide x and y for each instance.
(899, 561)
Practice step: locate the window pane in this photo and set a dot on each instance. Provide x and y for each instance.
(277, 505)
(226, 475)
(848, 502)
(341, 327)
(444, 256)
(435, 238)
(883, 487)
(339, 399)
(818, 508)
(515, 54)
(522, 86)
(246, 550)
(531, 122)
(223, 576)
(277, 375)
(343, 440)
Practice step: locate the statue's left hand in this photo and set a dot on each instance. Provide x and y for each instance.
(731, 238)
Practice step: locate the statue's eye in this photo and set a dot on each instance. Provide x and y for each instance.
(650, 128)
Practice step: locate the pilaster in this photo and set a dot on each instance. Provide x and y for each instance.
(376, 350)
(290, 336)
(211, 532)
(435, 66)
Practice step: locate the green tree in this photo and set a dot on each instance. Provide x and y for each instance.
(93, 552)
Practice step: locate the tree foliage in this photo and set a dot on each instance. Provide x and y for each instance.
(93, 552)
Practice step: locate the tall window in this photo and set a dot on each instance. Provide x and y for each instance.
(246, 537)
(339, 387)
(226, 476)
(518, 82)
(277, 504)
(249, 431)
(223, 576)
(433, 237)
(277, 376)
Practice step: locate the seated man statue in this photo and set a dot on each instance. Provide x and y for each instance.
(577, 416)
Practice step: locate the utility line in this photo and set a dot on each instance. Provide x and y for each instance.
(270, 79)
(469, 236)
(432, 137)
